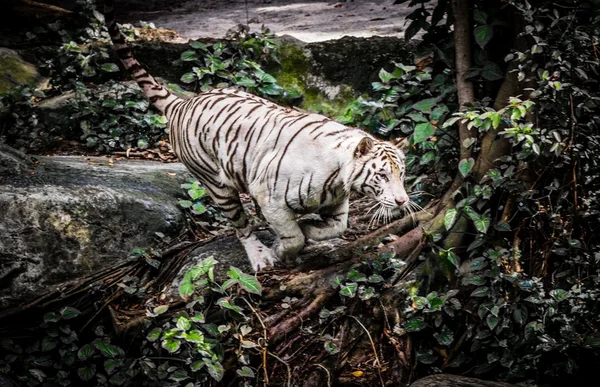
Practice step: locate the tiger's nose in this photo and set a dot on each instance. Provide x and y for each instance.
(401, 201)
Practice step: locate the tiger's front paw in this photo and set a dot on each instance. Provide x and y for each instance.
(260, 256)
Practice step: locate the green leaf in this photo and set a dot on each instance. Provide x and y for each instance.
(188, 77)
(453, 259)
(87, 373)
(68, 313)
(375, 278)
(426, 357)
(331, 348)
(245, 372)
(199, 318)
(184, 323)
(188, 56)
(198, 46)
(480, 292)
(415, 325)
(559, 294)
(450, 218)
(171, 345)
(385, 76)
(215, 370)
(109, 67)
(186, 288)
(107, 349)
(246, 82)
(425, 105)
(349, 289)
(492, 72)
(445, 337)
(480, 16)
(465, 166)
(250, 284)
(111, 364)
(422, 132)
(226, 303)
(48, 344)
(38, 374)
(51, 317)
(482, 223)
(418, 117)
(85, 352)
(154, 334)
(266, 77)
(483, 34)
(492, 321)
(195, 336)
(161, 309)
(356, 276)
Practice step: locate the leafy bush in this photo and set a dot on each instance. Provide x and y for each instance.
(174, 349)
(236, 63)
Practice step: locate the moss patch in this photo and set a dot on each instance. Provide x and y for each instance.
(15, 72)
(294, 74)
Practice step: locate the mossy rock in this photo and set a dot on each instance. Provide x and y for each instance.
(14, 71)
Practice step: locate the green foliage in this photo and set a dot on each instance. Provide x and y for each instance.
(235, 63)
(195, 193)
(174, 349)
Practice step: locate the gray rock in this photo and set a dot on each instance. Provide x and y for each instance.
(448, 380)
(74, 215)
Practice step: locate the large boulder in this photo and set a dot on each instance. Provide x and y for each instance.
(69, 216)
(14, 71)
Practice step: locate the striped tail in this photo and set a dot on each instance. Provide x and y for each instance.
(156, 93)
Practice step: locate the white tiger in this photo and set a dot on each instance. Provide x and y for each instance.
(291, 162)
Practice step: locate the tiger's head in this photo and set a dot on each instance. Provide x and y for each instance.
(378, 172)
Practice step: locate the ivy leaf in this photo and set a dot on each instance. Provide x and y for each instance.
(87, 373)
(107, 349)
(161, 309)
(331, 348)
(215, 370)
(480, 292)
(154, 334)
(111, 364)
(450, 218)
(188, 77)
(194, 336)
(188, 56)
(385, 76)
(415, 325)
(226, 303)
(492, 72)
(418, 117)
(422, 132)
(483, 34)
(492, 321)
(48, 344)
(109, 67)
(184, 323)
(171, 345)
(445, 337)
(250, 284)
(68, 313)
(482, 223)
(245, 372)
(186, 288)
(85, 352)
(465, 166)
(426, 357)
(480, 16)
(425, 105)
(453, 259)
(199, 318)
(349, 289)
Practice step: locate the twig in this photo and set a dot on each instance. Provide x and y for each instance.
(374, 349)
(326, 371)
(289, 371)
(266, 338)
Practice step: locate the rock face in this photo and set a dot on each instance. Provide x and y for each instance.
(69, 216)
(14, 71)
(447, 380)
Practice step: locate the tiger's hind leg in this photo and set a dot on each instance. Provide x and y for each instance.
(334, 223)
(228, 201)
(283, 222)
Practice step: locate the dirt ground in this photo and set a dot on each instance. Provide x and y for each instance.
(310, 21)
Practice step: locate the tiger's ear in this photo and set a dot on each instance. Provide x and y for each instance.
(364, 146)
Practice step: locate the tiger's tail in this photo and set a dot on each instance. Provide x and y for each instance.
(156, 93)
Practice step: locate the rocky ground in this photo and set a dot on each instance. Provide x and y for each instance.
(307, 20)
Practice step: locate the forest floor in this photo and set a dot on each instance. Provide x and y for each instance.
(307, 20)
